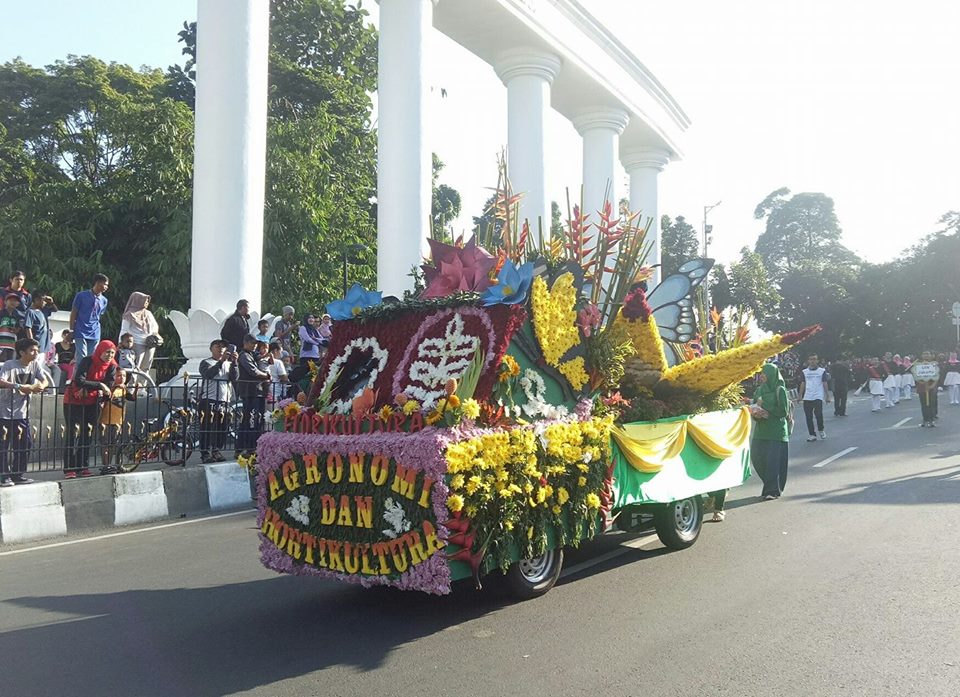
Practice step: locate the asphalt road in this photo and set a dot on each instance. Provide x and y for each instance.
(848, 585)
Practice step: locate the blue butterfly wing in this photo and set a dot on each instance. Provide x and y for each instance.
(671, 302)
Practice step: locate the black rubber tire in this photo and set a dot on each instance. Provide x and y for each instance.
(127, 458)
(521, 586)
(678, 524)
(175, 453)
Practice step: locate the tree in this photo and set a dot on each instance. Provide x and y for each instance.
(720, 295)
(678, 243)
(96, 175)
(751, 288)
(444, 207)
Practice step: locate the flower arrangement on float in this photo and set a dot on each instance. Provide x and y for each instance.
(471, 422)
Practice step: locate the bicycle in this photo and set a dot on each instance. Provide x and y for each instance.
(164, 439)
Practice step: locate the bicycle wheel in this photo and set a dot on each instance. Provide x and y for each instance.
(176, 452)
(129, 456)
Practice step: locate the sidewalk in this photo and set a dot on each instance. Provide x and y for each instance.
(53, 506)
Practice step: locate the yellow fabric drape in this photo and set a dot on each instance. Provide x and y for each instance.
(648, 447)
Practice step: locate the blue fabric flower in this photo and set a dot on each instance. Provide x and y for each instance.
(356, 301)
(512, 286)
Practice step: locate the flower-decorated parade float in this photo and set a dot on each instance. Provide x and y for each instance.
(529, 395)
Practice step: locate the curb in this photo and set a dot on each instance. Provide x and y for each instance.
(54, 509)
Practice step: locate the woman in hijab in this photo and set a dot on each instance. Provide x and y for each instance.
(92, 381)
(771, 434)
(143, 327)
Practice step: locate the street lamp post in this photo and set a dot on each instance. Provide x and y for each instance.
(706, 245)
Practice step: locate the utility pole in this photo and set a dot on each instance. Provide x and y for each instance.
(707, 229)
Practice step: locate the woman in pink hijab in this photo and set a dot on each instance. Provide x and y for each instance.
(140, 323)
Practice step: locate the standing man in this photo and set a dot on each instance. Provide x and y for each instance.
(237, 326)
(926, 373)
(38, 322)
(813, 393)
(841, 375)
(22, 376)
(88, 307)
(216, 396)
(17, 284)
(284, 330)
(252, 386)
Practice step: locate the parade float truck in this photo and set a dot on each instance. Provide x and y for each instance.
(523, 400)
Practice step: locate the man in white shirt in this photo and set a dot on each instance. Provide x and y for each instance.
(20, 377)
(813, 393)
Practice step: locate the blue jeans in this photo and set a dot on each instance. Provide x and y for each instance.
(84, 347)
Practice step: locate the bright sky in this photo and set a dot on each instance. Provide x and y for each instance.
(854, 98)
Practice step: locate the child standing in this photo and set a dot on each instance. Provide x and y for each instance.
(926, 373)
(111, 423)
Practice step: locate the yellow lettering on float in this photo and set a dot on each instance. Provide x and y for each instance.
(293, 545)
(322, 553)
(417, 555)
(404, 481)
(291, 478)
(269, 527)
(364, 511)
(357, 462)
(379, 470)
(365, 567)
(351, 558)
(275, 490)
(345, 518)
(311, 469)
(309, 542)
(333, 552)
(398, 555)
(328, 509)
(425, 492)
(334, 468)
(381, 550)
(434, 543)
(284, 535)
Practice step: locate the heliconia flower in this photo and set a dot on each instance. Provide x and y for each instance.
(356, 300)
(635, 305)
(512, 286)
(644, 273)
(456, 269)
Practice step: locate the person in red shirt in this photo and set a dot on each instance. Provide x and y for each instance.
(93, 381)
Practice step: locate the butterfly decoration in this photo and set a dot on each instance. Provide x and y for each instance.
(672, 304)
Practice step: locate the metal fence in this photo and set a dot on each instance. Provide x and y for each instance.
(169, 424)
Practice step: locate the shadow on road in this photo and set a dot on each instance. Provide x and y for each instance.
(940, 485)
(162, 642)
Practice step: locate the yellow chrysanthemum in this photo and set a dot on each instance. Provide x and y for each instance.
(457, 481)
(562, 495)
(455, 502)
(593, 501)
(575, 373)
(581, 481)
(471, 408)
(555, 316)
(411, 406)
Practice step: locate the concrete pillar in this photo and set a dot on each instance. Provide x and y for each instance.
(229, 168)
(528, 74)
(643, 164)
(600, 129)
(403, 155)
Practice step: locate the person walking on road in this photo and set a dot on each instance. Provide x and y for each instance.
(891, 381)
(841, 374)
(813, 393)
(926, 373)
(951, 379)
(769, 449)
(875, 375)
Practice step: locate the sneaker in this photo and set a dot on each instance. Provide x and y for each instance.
(811, 439)
(205, 458)
(769, 497)
(86, 473)
(21, 479)
(109, 469)
(718, 516)
(823, 435)
(217, 456)
(924, 424)
(7, 481)
(933, 425)
(70, 475)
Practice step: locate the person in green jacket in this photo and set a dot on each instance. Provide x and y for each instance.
(770, 434)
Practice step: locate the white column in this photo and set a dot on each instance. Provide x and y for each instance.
(643, 164)
(528, 74)
(403, 155)
(233, 37)
(600, 129)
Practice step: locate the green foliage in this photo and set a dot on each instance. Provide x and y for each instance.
(96, 166)
(751, 287)
(444, 207)
(678, 243)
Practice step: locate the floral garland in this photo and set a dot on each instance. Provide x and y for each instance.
(555, 323)
(513, 485)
